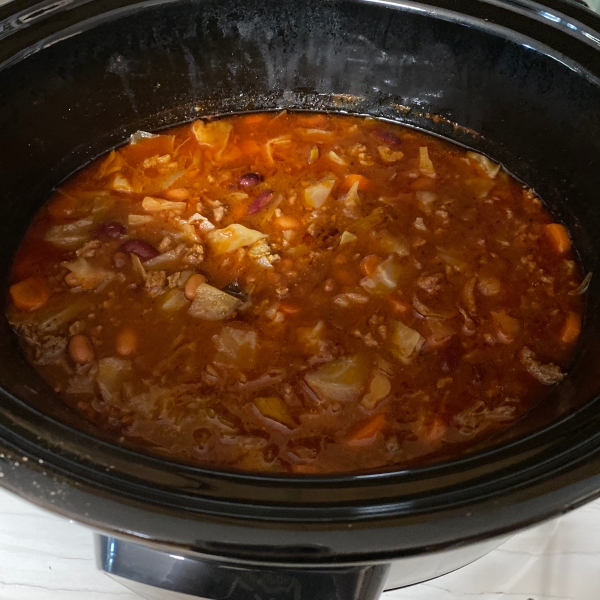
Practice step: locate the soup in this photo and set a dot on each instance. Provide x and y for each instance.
(303, 293)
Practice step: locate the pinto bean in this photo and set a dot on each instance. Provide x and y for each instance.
(80, 349)
(141, 248)
(127, 341)
(249, 180)
(192, 285)
(178, 194)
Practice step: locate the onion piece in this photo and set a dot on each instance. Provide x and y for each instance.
(313, 157)
(212, 304)
(336, 158)
(347, 238)
(582, 287)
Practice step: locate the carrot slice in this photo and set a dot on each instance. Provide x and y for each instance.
(367, 431)
(29, 294)
(369, 264)
(558, 237)
(289, 309)
(363, 182)
(249, 146)
(398, 307)
(571, 329)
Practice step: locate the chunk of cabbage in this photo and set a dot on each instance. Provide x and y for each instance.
(276, 409)
(233, 237)
(405, 342)
(339, 380)
(89, 276)
(212, 304)
(384, 279)
(236, 347)
(316, 195)
(215, 135)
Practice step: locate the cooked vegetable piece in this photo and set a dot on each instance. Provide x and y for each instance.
(211, 304)
(384, 278)
(339, 380)
(275, 408)
(379, 389)
(236, 347)
(316, 195)
(558, 237)
(30, 294)
(233, 237)
(405, 342)
(366, 433)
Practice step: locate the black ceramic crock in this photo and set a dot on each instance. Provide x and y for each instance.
(516, 80)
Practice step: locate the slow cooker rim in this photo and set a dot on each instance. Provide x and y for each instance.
(22, 408)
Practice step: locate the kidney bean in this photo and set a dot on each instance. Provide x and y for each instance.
(80, 349)
(112, 230)
(389, 138)
(145, 250)
(261, 201)
(249, 180)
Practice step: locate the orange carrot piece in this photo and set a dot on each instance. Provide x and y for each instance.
(289, 309)
(29, 294)
(249, 146)
(369, 264)
(398, 307)
(367, 431)
(558, 237)
(363, 182)
(571, 329)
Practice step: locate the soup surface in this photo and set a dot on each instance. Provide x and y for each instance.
(301, 293)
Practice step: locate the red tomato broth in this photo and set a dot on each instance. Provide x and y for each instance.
(402, 303)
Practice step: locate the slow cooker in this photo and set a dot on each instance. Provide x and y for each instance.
(516, 80)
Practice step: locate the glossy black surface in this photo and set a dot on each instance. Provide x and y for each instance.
(219, 580)
(76, 81)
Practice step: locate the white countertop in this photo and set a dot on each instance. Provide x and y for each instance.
(45, 557)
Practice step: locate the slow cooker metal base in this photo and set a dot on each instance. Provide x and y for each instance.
(162, 575)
